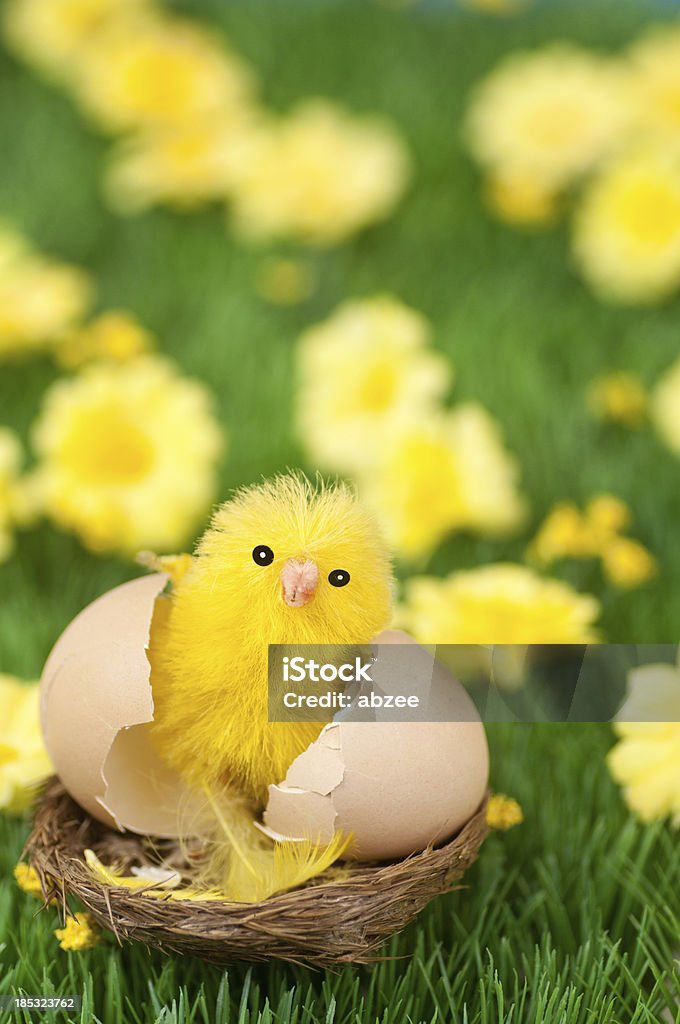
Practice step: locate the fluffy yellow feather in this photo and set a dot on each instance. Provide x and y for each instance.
(281, 563)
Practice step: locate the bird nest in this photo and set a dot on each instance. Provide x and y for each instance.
(339, 918)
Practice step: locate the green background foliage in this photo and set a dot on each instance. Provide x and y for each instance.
(574, 917)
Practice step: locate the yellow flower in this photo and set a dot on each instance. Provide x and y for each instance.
(149, 71)
(618, 398)
(320, 174)
(627, 563)
(39, 298)
(23, 759)
(548, 116)
(653, 695)
(27, 880)
(564, 533)
(52, 34)
(284, 282)
(607, 515)
(521, 200)
(498, 604)
(502, 7)
(655, 62)
(445, 473)
(502, 812)
(17, 504)
(665, 407)
(79, 933)
(363, 371)
(127, 455)
(569, 533)
(627, 228)
(646, 760)
(114, 335)
(182, 165)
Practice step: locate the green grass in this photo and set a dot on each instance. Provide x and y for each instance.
(570, 919)
(574, 917)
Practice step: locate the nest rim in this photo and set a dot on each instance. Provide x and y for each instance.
(325, 924)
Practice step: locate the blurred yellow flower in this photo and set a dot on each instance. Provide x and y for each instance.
(27, 879)
(149, 71)
(646, 760)
(320, 175)
(284, 282)
(79, 933)
(502, 812)
(498, 604)
(548, 116)
(564, 533)
(440, 474)
(52, 34)
(39, 298)
(627, 228)
(127, 455)
(521, 200)
(608, 515)
(181, 165)
(665, 407)
(502, 7)
(18, 504)
(618, 397)
(115, 335)
(627, 563)
(653, 694)
(361, 372)
(23, 759)
(655, 62)
(567, 532)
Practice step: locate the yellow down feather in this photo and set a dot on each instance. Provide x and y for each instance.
(239, 864)
(209, 654)
(209, 650)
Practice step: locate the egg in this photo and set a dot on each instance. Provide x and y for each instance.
(396, 786)
(96, 706)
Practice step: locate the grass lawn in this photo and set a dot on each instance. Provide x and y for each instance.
(574, 918)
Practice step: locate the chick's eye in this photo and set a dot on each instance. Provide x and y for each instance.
(262, 555)
(338, 578)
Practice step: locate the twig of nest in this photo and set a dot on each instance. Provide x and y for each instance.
(337, 919)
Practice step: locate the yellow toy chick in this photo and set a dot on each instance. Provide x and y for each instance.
(282, 563)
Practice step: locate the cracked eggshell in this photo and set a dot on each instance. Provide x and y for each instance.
(396, 786)
(96, 707)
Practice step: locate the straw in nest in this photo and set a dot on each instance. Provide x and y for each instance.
(325, 924)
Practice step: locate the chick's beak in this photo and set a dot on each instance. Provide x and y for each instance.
(299, 579)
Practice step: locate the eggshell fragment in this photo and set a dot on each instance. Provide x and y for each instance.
(96, 706)
(311, 815)
(319, 768)
(404, 784)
